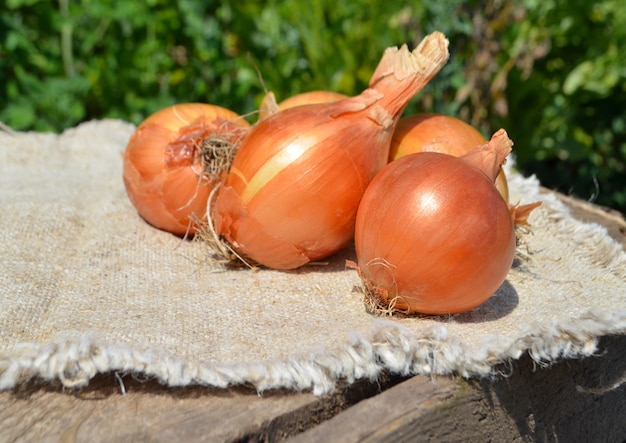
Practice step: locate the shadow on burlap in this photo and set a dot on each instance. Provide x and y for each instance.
(87, 287)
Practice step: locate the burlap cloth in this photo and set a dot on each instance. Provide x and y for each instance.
(86, 287)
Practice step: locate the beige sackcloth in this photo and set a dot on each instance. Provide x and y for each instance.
(86, 287)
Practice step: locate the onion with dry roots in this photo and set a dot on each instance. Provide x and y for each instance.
(433, 235)
(295, 184)
(439, 133)
(174, 159)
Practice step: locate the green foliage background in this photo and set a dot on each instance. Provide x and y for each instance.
(549, 71)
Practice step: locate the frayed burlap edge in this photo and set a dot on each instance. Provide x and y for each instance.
(388, 346)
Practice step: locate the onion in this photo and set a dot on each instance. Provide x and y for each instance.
(439, 133)
(433, 235)
(173, 160)
(269, 105)
(295, 184)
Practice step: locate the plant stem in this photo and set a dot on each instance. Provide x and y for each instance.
(66, 39)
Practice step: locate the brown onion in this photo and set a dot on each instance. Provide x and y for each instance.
(433, 235)
(269, 105)
(293, 190)
(173, 160)
(439, 133)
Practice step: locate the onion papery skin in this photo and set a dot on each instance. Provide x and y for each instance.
(294, 187)
(433, 236)
(164, 172)
(291, 196)
(429, 132)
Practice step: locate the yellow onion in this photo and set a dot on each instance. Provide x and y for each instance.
(174, 159)
(269, 105)
(439, 133)
(433, 235)
(295, 184)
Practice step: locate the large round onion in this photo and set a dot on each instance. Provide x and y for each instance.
(433, 235)
(295, 184)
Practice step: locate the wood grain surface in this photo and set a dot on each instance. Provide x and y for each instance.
(572, 401)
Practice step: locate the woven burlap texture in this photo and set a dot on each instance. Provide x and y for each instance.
(87, 287)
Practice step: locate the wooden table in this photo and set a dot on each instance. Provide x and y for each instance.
(574, 400)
